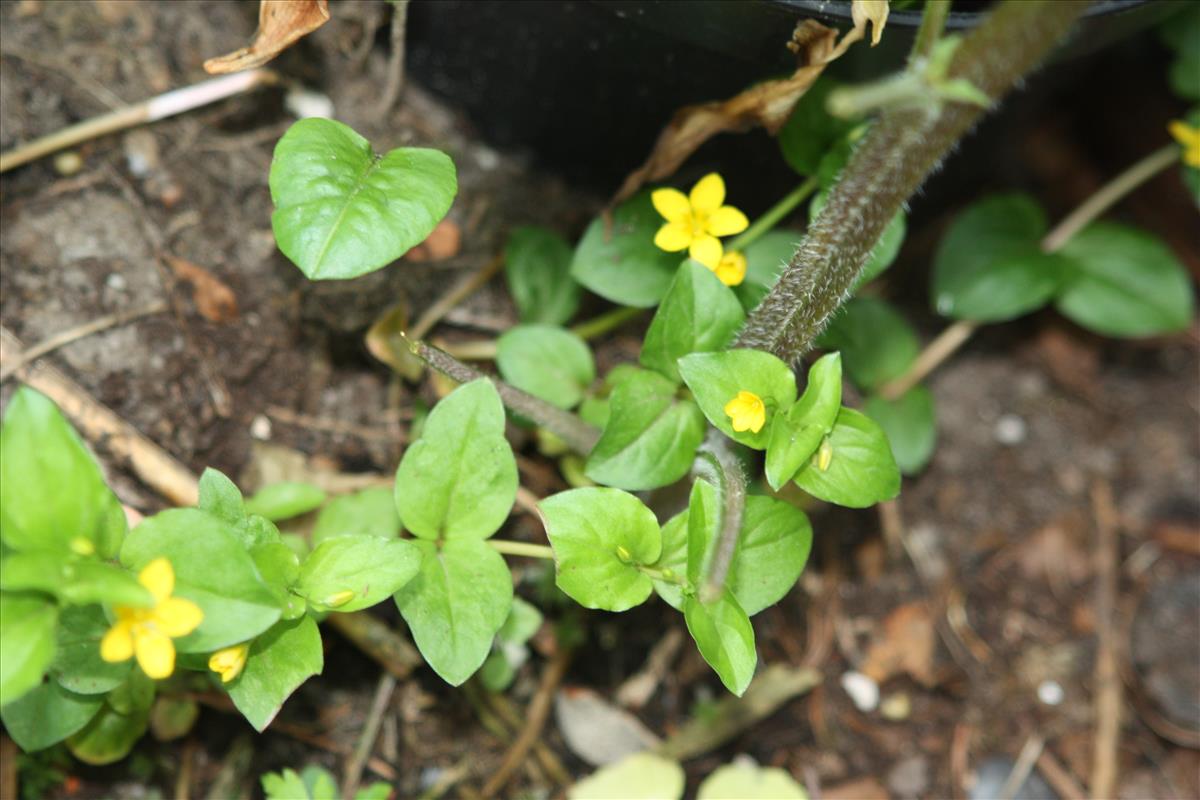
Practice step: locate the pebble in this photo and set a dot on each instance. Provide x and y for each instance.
(862, 690)
(68, 163)
(303, 104)
(1050, 692)
(896, 707)
(909, 778)
(115, 281)
(1010, 430)
(260, 428)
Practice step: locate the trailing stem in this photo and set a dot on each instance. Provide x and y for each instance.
(717, 462)
(899, 152)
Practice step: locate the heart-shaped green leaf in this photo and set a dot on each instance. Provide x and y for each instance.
(547, 361)
(859, 469)
(342, 211)
(698, 314)
(109, 736)
(279, 661)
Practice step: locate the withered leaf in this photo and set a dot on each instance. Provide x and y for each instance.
(215, 301)
(280, 24)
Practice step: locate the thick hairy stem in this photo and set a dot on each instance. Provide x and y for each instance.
(578, 435)
(721, 465)
(902, 148)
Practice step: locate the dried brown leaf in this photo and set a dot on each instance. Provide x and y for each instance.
(385, 341)
(907, 645)
(215, 301)
(280, 24)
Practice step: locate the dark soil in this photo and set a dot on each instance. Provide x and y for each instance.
(1035, 418)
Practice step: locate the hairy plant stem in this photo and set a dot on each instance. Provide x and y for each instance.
(772, 216)
(578, 435)
(956, 334)
(521, 549)
(901, 149)
(716, 462)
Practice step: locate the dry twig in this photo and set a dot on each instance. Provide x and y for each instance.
(370, 732)
(1103, 782)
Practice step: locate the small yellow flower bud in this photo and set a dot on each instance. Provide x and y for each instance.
(668, 574)
(824, 455)
(338, 598)
(623, 553)
(82, 546)
(228, 663)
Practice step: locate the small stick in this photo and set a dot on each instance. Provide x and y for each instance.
(1059, 777)
(395, 78)
(1103, 782)
(1024, 765)
(8, 767)
(370, 732)
(326, 425)
(80, 331)
(636, 690)
(156, 108)
(535, 720)
(459, 292)
(508, 714)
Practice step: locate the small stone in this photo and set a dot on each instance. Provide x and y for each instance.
(68, 163)
(909, 778)
(1010, 430)
(862, 690)
(115, 281)
(303, 104)
(896, 707)
(1050, 692)
(260, 428)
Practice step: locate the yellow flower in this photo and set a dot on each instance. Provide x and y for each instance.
(228, 663)
(147, 632)
(731, 269)
(747, 412)
(695, 221)
(1189, 137)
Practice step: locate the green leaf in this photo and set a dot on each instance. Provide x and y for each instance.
(459, 480)
(173, 718)
(212, 569)
(861, 470)
(740, 781)
(620, 262)
(885, 250)
(455, 605)
(220, 497)
(716, 378)
(641, 776)
(772, 550)
(109, 736)
(600, 536)
(341, 211)
(990, 266)
(910, 424)
(371, 512)
(699, 314)
(77, 664)
(650, 438)
(673, 560)
(725, 637)
(370, 567)
(47, 715)
(285, 500)
(376, 791)
(548, 362)
(1125, 283)
(703, 530)
(71, 579)
(537, 265)
(876, 342)
(279, 661)
(811, 130)
(27, 626)
(796, 435)
(313, 783)
(497, 672)
(52, 494)
(279, 567)
(766, 257)
(522, 622)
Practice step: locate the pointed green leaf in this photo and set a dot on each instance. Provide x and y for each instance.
(910, 424)
(279, 661)
(547, 361)
(796, 435)
(537, 265)
(371, 512)
(370, 567)
(699, 314)
(861, 470)
(716, 378)
(725, 637)
(220, 497)
(620, 262)
(459, 480)
(600, 536)
(772, 550)
(285, 500)
(342, 211)
(77, 665)
(27, 632)
(47, 715)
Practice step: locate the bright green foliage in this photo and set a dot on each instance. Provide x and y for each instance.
(315, 783)
(537, 264)
(371, 512)
(703, 529)
(52, 495)
(650, 437)
(285, 500)
(71, 579)
(699, 314)
(459, 480)
(77, 664)
(910, 424)
(600, 537)
(27, 624)
(811, 130)
(725, 638)
(212, 569)
(509, 651)
(673, 560)
(990, 266)
(341, 211)
(876, 342)
(47, 715)
(455, 605)
(1124, 282)
(861, 470)
(886, 249)
(279, 661)
(369, 567)
(547, 361)
(796, 434)
(220, 497)
(620, 262)
(641, 776)
(716, 378)
(741, 781)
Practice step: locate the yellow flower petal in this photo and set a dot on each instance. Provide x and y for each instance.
(177, 616)
(117, 644)
(732, 268)
(672, 204)
(1189, 138)
(746, 412)
(707, 250)
(228, 663)
(726, 221)
(159, 578)
(673, 237)
(708, 194)
(155, 653)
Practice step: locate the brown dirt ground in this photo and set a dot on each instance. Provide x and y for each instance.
(1004, 527)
